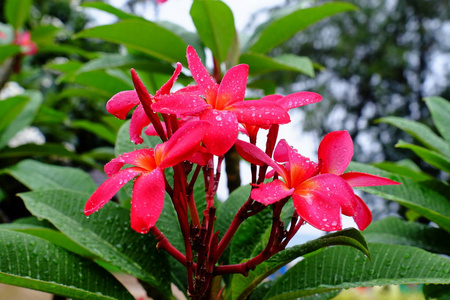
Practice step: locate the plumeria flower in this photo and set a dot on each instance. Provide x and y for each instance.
(148, 169)
(320, 195)
(23, 39)
(221, 104)
(121, 103)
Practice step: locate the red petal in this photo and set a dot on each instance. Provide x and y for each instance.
(108, 189)
(318, 210)
(298, 99)
(201, 76)
(165, 89)
(232, 87)
(271, 98)
(355, 179)
(300, 168)
(363, 215)
(223, 131)
(259, 112)
(147, 201)
(271, 192)
(180, 104)
(151, 131)
(182, 144)
(254, 155)
(138, 121)
(332, 187)
(143, 158)
(335, 152)
(281, 153)
(121, 103)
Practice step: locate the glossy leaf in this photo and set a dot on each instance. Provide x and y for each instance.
(141, 35)
(104, 82)
(405, 168)
(440, 110)
(392, 230)
(35, 263)
(22, 118)
(97, 129)
(8, 51)
(40, 176)
(17, 12)
(260, 63)
(215, 25)
(276, 31)
(420, 132)
(428, 198)
(243, 286)
(341, 267)
(107, 234)
(433, 158)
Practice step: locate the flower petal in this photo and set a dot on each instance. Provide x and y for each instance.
(151, 131)
(182, 144)
(232, 87)
(274, 97)
(333, 188)
(223, 131)
(254, 155)
(201, 75)
(300, 167)
(268, 193)
(147, 200)
(121, 103)
(258, 112)
(298, 99)
(180, 104)
(318, 210)
(355, 179)
(138, 121)
(108, 189)
(281, 153)
(335, 152)
(165, 89)
(143, 158)
(363, 215)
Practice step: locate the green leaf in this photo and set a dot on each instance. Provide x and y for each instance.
(393, 230)
(433, 158)
(107, 234)
(98, 129)
(34, 263)
(429, 198)
(124, 144)
(436, 291)
(420, 132)
(23, 118)
(8, 51)
(440, 110)
(103, 82)
(276, 31)
(109, 9)
(10, 108)
(405, 168)
(243, 286)
(40, 176)
(260, 63)
(141, 35)
(342, 267)
(17, 12)
(215, 25)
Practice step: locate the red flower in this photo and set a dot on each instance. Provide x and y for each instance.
(221, 104)
(320, 192)
(28, 47)
(121, 103)
(149, 187)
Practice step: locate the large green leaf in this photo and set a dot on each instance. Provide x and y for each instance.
(10, 108)
(242, 286)
(404, 167)
(23, 118)
(109, 9)
(107, 234)
(34, 263)
(141, 35)
(17, 12)
(8, 51)
(279, 29)
(393, 230)
(103, 82)
(215, 25)
(40, 176)
(420, 132)
(428, 198)
(440, 110)
(98, 129)
(342, 267)
(260, 63)
(433, 158)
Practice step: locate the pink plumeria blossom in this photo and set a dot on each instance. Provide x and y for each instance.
(121, 103)
(221, 104)
(149, 186)
(23, 39)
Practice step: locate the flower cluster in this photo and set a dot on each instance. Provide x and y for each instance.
(201, 121)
